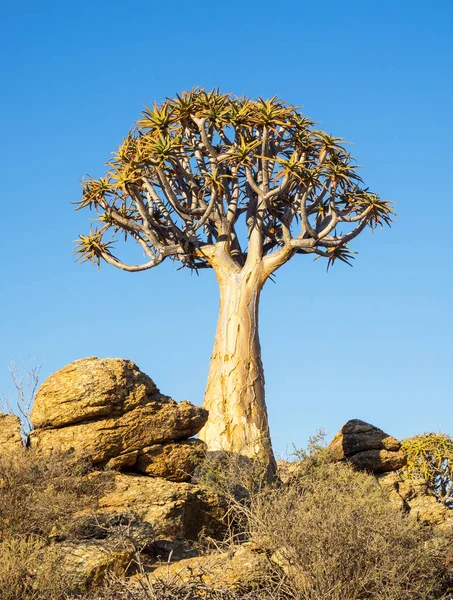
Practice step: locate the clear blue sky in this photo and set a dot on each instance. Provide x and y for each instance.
(373, 342)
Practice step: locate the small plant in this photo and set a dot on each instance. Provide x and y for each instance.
(26, 379)
(430, 458)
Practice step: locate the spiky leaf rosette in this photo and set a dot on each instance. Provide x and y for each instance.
(430, 458)
(206, 168)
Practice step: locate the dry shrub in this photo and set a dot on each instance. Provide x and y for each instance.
(178, 590)
(28, 572)
(334, 534)
(337, 537)
(40, 495)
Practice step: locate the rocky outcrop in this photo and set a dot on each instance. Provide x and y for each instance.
(176, 511)
(243, 566)
(367, 447)
(413, 497)
(112, 413)
(10, 438)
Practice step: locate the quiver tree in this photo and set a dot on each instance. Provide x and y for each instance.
(239, 186)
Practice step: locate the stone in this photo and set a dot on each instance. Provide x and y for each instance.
(413, 497)
(286, 470)
(242, 567)
(367, 447)
(10, 438)
(91, 388)
(109, 411)
(90, 563)
(175, 461)
(176, 511)
(378, 461)
(104, 439)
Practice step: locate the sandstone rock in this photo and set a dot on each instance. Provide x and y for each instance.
(176, 511)
(242, 566)
(175, 461)
(367, 447)
(286, 470)
(413, 497)
(91, 388)
(10, 438)
(109, 411)
(105, 439)
(89, 563)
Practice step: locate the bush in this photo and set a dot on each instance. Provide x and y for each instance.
(41, 499)
(174, 590)
(27, 572)
(334, 535)
(430, 458)
(41, 495)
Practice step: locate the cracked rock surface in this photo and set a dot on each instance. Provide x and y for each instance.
(112, 413)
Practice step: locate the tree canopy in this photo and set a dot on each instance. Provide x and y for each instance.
(206, 168)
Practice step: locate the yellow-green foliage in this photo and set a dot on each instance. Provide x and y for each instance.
(430, 457)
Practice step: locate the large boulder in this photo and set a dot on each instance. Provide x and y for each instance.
(367, 447)
(91, 388)
(10, 438)
(176, 511)
(109, 411)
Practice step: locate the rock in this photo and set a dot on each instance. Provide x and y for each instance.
(367, 448)
(243, 566)
(286, 470)
(378, 461)
(108, 411)
(91, 388)
(175, 461)
(287, 560)
(176, 511)
(412, 496)
(10, 438)
(89, 563)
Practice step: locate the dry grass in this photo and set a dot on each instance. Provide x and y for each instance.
(174, 590)
(329, 532)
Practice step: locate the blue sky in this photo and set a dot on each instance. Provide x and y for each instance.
(373, 342)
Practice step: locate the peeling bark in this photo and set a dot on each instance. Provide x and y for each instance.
(235, 390)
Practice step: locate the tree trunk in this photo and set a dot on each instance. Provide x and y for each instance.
(235, 390)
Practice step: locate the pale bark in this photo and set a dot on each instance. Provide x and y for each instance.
(235, 390)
